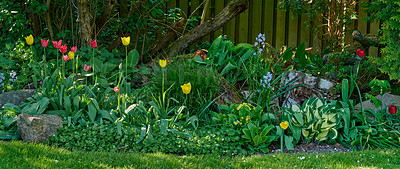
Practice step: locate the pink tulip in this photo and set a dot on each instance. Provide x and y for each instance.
(44, 42)
(63, 49)
(65, 58)
(93, 44)
(116, 89)
(87, 68)
(360, 53)
(73, 49)
(56, 44)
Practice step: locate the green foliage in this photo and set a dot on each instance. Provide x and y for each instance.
(205, 86)
(228, 60)
(387, 12)
(249, 122)
(257, 136)
(96, 137)
(316, 119)
(105, 137)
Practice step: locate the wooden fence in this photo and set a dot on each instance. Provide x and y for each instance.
(278, 26)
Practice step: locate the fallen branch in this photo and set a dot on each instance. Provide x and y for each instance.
(233, 9)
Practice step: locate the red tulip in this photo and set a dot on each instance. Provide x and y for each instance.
(73, 49)
(93, 44)
(116, 89)
(56, 44)
(87, 68)
(65, 58)
(392, 109)
(360, 53)
(63, 49)
(44, 42)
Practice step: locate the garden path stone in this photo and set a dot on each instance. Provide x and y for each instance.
(386, 99)
(37, 128)
(313, 87)
(15, 97)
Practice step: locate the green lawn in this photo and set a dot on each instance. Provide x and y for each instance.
(22, 155)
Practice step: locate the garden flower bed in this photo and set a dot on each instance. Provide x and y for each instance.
(225, 99)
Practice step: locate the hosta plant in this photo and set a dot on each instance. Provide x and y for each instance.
(316, 119)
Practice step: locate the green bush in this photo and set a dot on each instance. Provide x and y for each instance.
(387, 12)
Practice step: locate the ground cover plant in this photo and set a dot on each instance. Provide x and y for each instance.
(225, 102)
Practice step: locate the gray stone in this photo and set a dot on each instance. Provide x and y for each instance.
(386, 99)
(15, 97)
(313, 87)
(37, 128)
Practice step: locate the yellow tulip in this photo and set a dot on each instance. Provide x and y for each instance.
(186, 88)
(284, 125)
(163, 63)
(71, 55)
(126, 40)
(29, 39)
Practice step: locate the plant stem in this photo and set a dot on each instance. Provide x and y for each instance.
(282, 143)
(44, 62)
(163, 96)
(126, 61)
(93, 66)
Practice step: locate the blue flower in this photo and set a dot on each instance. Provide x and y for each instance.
(266, 80)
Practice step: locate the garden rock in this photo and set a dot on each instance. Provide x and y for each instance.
(37, 128)
(386, 99)
(15, 97)
(312, 87)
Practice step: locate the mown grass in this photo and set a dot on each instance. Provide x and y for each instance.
(23, 155)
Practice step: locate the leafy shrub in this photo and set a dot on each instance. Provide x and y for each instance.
(387, 13)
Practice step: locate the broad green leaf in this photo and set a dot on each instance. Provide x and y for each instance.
(228, 68)
(287, 56)
(43, 105)
(257, 140)
(345, 90)
(163, 126)
(133, 58)
(289, 142)
(92, 112)
(119, 127)
(57, 112)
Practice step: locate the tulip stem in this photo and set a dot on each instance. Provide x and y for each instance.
(93, 66)
(44, 63)
(126, 61)
(57, 61)
(162, 88)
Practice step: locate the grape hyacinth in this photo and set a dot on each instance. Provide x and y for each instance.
(267, 79)
(13, 78)
(260, 40)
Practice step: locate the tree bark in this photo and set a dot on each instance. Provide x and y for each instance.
(366, 41)
(85, 31)
(234, 8)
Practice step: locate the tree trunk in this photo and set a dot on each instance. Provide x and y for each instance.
(234, 8)
(48, 21)
(85, 30)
